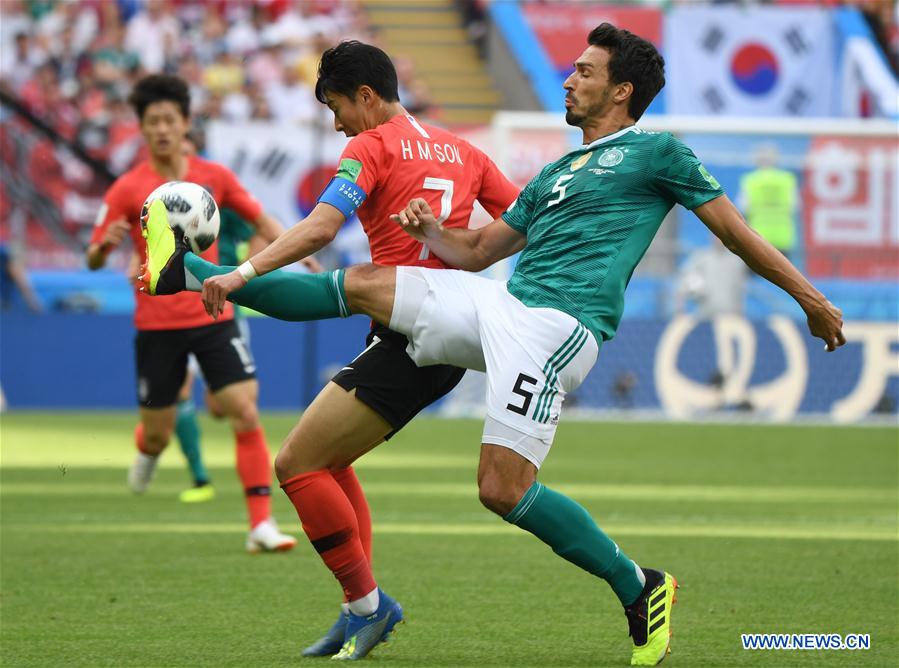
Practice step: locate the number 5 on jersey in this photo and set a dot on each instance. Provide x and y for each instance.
(560, 187)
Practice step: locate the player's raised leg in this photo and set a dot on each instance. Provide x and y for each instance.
(170, 268)
(312, 466)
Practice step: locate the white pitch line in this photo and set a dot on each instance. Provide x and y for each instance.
(729, 531)
(667, 493)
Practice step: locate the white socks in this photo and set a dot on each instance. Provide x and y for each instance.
(367, 605)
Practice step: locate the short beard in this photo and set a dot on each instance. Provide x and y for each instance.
(574, 119)
(596, 111)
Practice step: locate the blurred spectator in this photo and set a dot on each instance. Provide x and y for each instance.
(192, 72)
(78, 19)
(298, 25)
(291, 100)
(769, 197)
(14, 20)
(111, 60)
(148, 32)
(245, 35)
(414, 93)
(14, 282)
(307, 65)
(225, 75)
(19, 60)
(714, 279)
(238, 104)
(211, 41)
(265, 66)
(261, 111)
(72, 63)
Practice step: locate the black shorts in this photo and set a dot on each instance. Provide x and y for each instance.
(387, 380)
(161, 358)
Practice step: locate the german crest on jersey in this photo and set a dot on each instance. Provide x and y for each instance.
(611, 157)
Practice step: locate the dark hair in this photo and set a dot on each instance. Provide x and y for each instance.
(160, 88)
(633, 59)
(351, 64)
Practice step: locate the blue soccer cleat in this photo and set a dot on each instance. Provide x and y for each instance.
(330, 643)
(364, 633)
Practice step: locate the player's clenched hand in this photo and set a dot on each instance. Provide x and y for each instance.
(216, 290)
(114, 234)
(826, 322)
(418, 220)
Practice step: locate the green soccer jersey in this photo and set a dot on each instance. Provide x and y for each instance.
(233, 231)
(590, 216)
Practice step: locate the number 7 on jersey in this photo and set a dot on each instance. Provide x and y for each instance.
(446, 204)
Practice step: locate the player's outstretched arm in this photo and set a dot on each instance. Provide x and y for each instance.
(472, 250)
(824, 319)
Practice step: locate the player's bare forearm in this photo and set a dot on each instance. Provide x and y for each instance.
(114, 233)
(475, 250)
(308, 236)
(723, 219)
(96, 257)
(471, 250)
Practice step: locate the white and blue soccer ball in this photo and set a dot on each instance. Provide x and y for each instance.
(193, 213)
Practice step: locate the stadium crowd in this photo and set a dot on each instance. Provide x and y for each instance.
(72, 63)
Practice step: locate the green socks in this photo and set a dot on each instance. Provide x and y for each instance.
(568, 529)
(187, 429)
(280, 294)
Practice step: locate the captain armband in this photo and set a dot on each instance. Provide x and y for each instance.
(343, 195)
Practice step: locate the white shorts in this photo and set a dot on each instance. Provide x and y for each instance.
(533, 356)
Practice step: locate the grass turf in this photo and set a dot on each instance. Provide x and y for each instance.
(768, 529)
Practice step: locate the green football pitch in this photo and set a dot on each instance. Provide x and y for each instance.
(768, 530)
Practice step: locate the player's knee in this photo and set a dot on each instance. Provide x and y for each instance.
(284, 466)
(155, 440)
(290, 462)
(214, 407)
(362, 283)
(244, 416)
(496, 496)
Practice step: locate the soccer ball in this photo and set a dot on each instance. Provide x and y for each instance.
(193, 213)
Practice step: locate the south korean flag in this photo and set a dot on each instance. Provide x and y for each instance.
(757, 61)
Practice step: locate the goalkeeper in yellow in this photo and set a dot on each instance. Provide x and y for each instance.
(582, 225)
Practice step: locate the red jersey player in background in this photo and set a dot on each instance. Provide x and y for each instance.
(170, 329)
(391, 159)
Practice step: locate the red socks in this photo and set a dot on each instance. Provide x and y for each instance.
(349, 483)
(139, 437)
(329, 520)
(255, 471)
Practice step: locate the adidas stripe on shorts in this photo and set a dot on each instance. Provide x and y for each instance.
(533, 356)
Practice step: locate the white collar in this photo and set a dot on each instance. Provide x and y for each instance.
(614, 135)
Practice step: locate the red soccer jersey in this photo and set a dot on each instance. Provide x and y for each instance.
(403, 159)
(124, 201)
